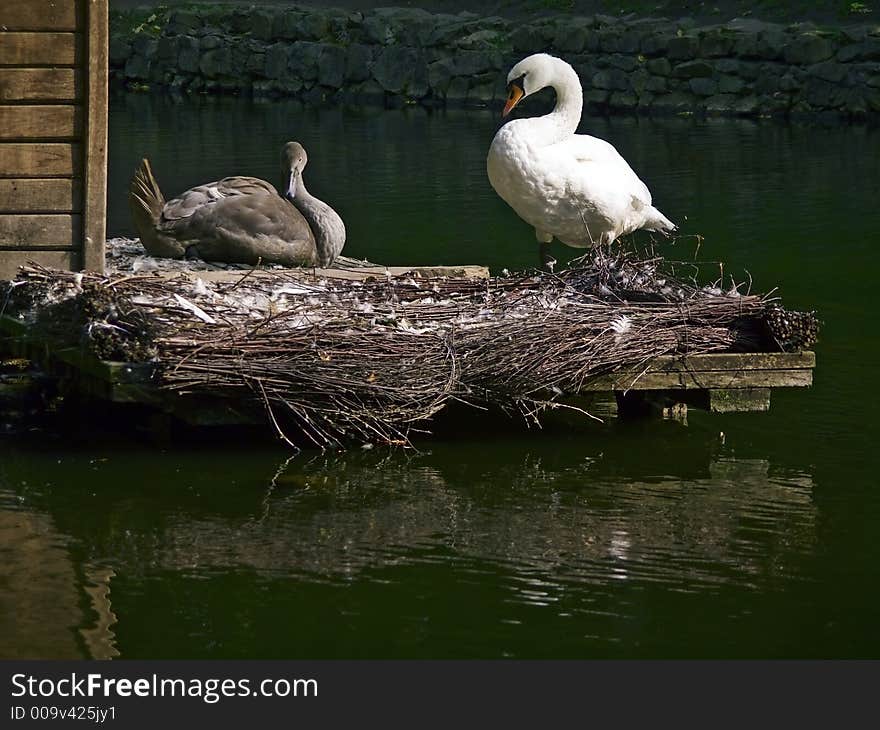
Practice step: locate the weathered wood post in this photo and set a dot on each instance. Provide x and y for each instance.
(53, 133)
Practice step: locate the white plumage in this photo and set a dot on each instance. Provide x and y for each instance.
(573, 187)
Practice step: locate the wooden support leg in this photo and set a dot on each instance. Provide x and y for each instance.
(645, 403)
(676, 412)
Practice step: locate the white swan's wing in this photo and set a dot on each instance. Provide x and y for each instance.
(599, 166)
(591, 191)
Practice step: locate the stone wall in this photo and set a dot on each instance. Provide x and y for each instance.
(404, 55)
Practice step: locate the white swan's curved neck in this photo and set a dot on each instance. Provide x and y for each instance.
(563, 121)
(569, 103)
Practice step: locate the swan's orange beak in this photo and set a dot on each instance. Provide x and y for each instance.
(514, 95)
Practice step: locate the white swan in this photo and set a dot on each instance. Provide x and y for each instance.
(572, 186)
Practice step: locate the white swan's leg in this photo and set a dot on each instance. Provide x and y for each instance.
(544, 239)
(602, 245)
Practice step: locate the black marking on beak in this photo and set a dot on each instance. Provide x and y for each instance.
(515, 93)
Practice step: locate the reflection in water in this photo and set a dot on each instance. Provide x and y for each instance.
(560, 531)
(42, 603)
(99, 639)
(737, 524)
(39, 602)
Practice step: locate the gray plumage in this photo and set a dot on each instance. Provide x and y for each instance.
(239, 219)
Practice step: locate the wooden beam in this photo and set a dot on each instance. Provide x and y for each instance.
(40, 231)
(39, 49)
(701, 380)
(39, 14)
(95, 162)
(11, 260)
(61, 121)
(32, 159)
(356, 274)
(39, 84)
(33, 195)
(739, 400)
(732, 361)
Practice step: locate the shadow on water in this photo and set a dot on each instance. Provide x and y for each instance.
(735, 536)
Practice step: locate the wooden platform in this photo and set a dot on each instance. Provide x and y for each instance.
(359, 273)
(667, 385)
(722, 383)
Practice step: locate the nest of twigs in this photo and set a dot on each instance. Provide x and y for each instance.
(343, 360)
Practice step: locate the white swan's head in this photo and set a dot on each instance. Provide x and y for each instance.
(532, 74)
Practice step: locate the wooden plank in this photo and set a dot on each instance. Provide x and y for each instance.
(32, 195)
(727, 362)
(119, 373)
(359, 274)
(739, 400)
(39, 231)
(39, 49)
(39, 121)
(95, 163)
(703, 380)
(30, 159)
(39, 84)
(734, 361)
(11, 260)
(40, 14)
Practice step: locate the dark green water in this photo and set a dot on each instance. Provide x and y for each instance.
(649, 539)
